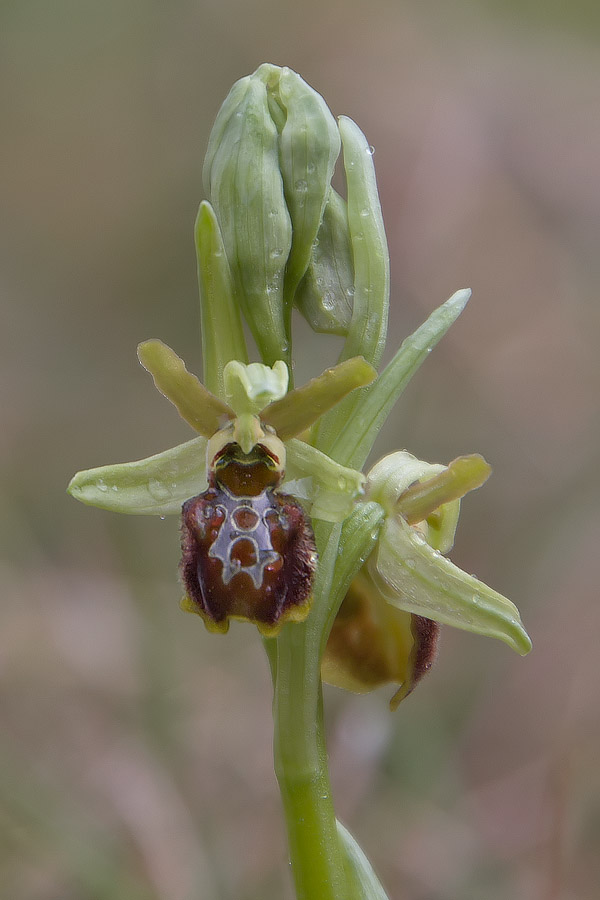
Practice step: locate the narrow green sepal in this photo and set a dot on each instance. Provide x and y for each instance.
(156, 486)
(413, 576)
(220, 320)
(195, 404)
(326, 293)
(330, 488)
(300, 408)
(352, 440)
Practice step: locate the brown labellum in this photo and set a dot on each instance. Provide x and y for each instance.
(248, 550)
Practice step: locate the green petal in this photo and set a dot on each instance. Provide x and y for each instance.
(195, 404)
(413, 576)
(331, 488)
(390, 479)
(156, 486)
(299, 409)
(354, 439)
(221, 323)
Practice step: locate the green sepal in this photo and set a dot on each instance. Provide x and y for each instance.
(413, 576)
(196, 405)
(331, 489)
(351, 441)
(221, 324)
(300, 408)
(363, 883)
(326, 293)
(156, 486)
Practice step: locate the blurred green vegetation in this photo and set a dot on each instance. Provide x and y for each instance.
(135, 749)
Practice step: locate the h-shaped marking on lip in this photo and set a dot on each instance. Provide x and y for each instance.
(257, 533)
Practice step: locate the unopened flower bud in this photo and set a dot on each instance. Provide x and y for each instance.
(268, 172)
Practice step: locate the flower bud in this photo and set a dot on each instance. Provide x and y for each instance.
(268, 172)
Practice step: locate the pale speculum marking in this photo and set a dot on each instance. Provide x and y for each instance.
(244, 522)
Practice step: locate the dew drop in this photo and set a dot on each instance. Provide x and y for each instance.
(301, 186)
(328, 300)
(159, 489)
(310, 168)
(364, 212)
(102, 485)
(275, 254)
(370, 150)
(115, 488)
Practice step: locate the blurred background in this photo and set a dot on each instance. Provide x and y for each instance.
(135, 749)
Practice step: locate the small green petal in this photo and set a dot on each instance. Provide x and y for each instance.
(195, 404)
(414, 577)
(326, 293)
(398, 473)
(156, 486)
(462, 475)
(353, 440)
(221, 323)
(249, 388)
(331, 488)
(299, 409)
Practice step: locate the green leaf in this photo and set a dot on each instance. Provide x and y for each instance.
(368, 326)
(352, 439)
(221, 323)
(156, 486)
(413, 576)
(363, 883)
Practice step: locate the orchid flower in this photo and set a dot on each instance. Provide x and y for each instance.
(344, 574)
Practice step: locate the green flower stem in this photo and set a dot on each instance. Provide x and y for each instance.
(301, 767)
(318, 860)
(300, 754)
